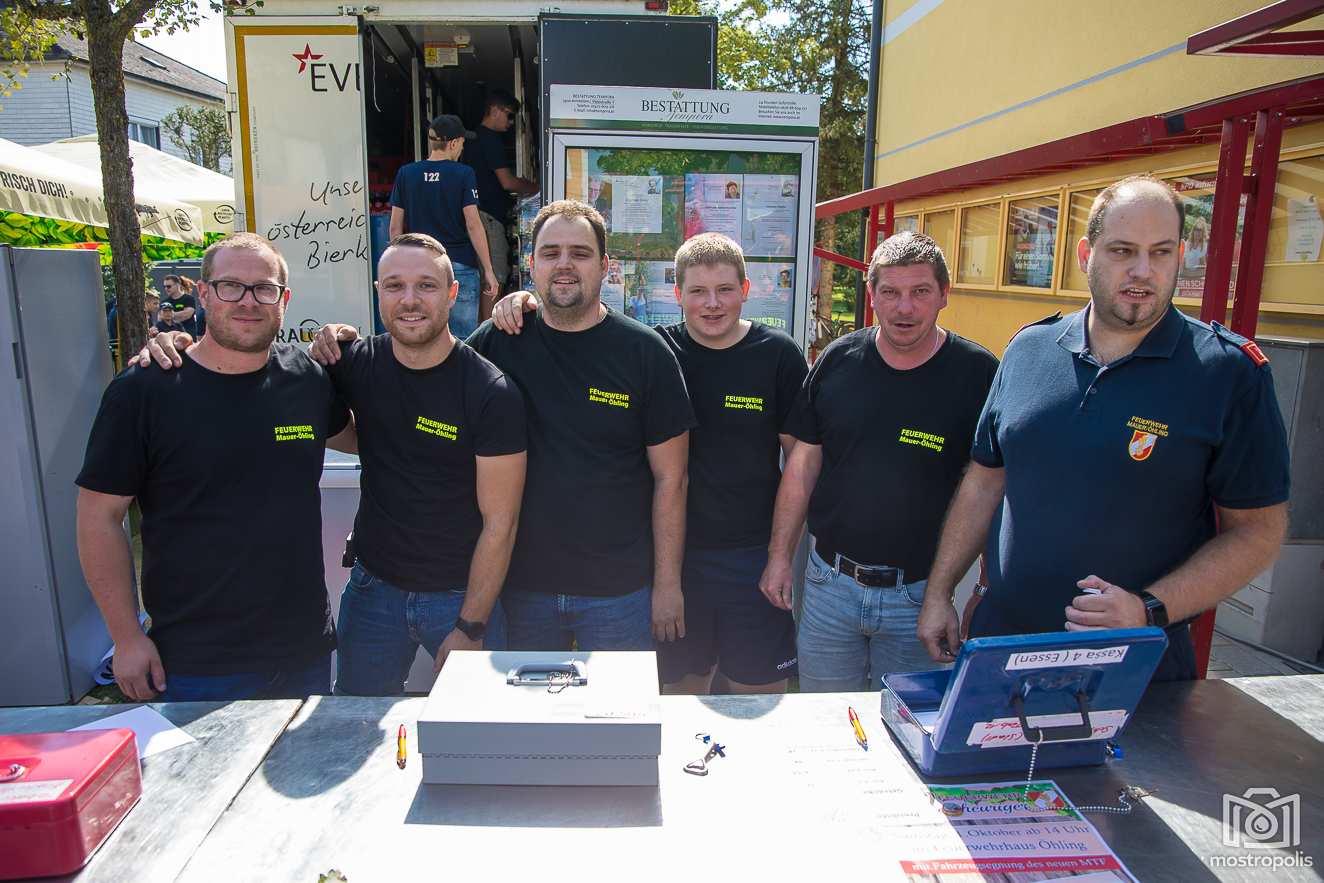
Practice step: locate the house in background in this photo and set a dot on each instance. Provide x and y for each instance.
(47, 109)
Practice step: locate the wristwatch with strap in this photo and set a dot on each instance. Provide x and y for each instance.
(474, 631)
(1156, 612)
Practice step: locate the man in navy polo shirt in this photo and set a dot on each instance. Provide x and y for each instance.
(1130, 466)
(439, 196)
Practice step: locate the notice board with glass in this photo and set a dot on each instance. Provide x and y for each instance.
(655, 191)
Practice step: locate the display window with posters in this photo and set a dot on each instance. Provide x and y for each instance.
(654, 199)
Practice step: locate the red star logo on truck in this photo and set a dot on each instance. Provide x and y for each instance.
(305, 57)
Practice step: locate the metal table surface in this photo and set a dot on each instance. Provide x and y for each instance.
(329, 795)
(185, 790)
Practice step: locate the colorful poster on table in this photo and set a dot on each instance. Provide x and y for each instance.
(650, 292)
(713, 204)
(771, 294)
(1010, 832)
(770, 203)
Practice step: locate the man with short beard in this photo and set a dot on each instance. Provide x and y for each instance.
(441, 439)
(223, 456)
(602, 530)
(1131, 461)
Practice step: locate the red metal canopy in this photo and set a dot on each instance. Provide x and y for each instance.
(1255, 33)
(1301, 101)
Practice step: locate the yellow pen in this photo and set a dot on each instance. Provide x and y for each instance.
(859, 730)
(401, 756)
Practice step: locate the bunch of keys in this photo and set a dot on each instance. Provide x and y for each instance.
(700, 767)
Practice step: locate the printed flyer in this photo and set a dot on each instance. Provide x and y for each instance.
(1006, 834)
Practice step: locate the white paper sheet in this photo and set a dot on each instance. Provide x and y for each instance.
(155, 733)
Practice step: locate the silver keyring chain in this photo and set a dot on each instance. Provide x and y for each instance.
(1123, 796)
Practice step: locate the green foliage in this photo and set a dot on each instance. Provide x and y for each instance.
(200, 132)
(31, 231)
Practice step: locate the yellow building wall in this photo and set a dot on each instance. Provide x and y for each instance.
(964, 80)
(984, 308)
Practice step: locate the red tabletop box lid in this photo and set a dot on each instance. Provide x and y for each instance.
(61, 794)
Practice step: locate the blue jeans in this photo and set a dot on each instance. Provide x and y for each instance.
(464, 312)
(381, 627)
(851, 635)
(535, 621)
(305, 679)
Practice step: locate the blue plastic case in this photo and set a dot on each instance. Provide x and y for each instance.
(1006, 692)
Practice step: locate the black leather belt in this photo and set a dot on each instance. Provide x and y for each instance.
(870, 577)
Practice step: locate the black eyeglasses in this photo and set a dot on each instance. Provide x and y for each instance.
(232, 291)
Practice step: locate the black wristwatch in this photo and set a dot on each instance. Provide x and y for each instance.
(1156, 613)
(474, 631)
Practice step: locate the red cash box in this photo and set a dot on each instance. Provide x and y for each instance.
(61, 794)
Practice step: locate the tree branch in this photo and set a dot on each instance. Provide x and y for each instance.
(50, 11)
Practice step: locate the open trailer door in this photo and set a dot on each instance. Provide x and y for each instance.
(299, 157)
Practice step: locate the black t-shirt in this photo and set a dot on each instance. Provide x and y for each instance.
(225, 468)
(895, 444)
(419, 431)
(485, 155)
(433, 194)
(742, 398)
(595, 401)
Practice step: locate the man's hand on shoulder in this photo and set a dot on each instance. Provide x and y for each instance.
(325, 348)
(1103, 605)
(508, 313)
(163, 348)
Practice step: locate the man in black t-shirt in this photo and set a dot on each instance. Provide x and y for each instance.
(178, 308)
(743, 378)
(441, 439)
(223, 456)
(598, 557)
(439, 196)
(884, 422)
(486, 155)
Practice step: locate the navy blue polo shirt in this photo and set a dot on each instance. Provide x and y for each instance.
(1113, 470)
(433, 194)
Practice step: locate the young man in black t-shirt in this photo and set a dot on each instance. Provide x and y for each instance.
(225, 452)
(439, 196)
(884, 421)
(486, 155)
(743, 379)
(442, 439)
(598, 558)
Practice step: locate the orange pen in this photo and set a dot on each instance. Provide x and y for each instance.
(401, 755)
(859, 730)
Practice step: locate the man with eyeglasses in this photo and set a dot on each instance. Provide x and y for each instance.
(486, 155)
(884, 423)
(229, 449)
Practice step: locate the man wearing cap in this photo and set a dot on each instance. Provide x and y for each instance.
(439, 196)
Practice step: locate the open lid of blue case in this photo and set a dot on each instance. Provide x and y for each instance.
(1017, 689)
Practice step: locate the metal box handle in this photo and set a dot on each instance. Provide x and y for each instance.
(552, 675)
